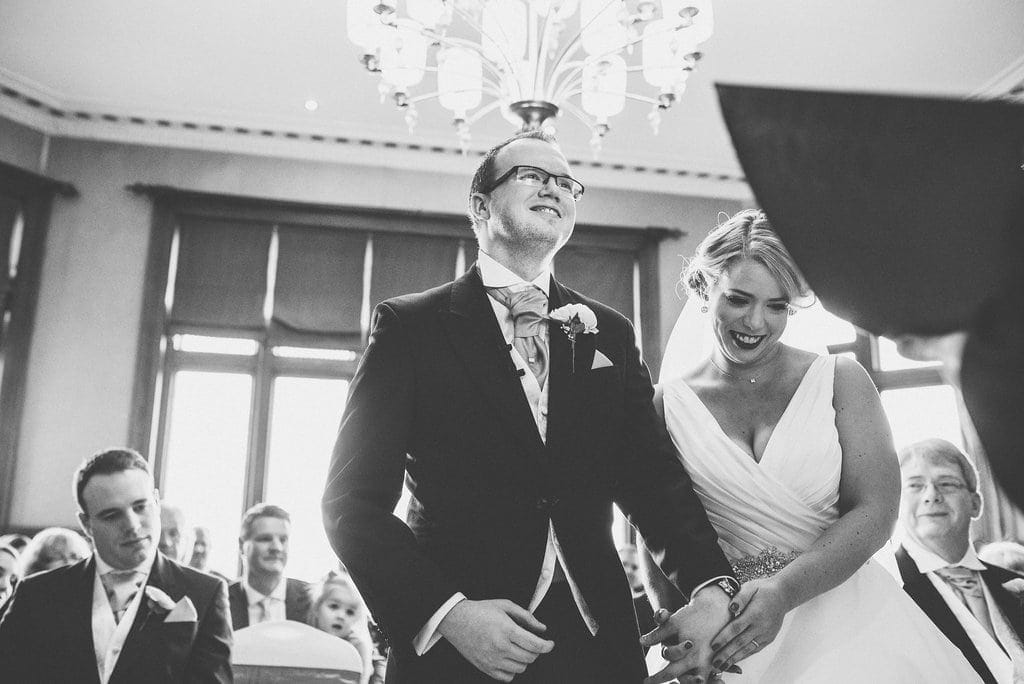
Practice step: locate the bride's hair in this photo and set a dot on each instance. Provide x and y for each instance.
(746, 235)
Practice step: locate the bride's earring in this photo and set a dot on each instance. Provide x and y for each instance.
(791, 310)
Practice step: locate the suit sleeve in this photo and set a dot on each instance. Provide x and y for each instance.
(210, 660)
(402, 587)
(655, 491)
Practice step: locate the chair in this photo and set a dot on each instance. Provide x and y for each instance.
(278, 652)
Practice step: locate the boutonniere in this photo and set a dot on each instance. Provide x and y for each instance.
(1015, 587)
(160, 604)
(575, 320)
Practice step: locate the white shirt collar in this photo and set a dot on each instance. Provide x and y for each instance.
(279, 592)
(929, 561)
(495, 274)
(102, 567)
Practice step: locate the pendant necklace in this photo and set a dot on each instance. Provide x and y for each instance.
(752, 380)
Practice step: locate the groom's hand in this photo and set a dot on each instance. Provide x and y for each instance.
(686, 636)
(497, 636)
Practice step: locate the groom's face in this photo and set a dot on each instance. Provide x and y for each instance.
(521, 215)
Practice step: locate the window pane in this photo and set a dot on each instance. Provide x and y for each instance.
(304, 423)
(215, 345)
(815, 328)
(314, 353)
(206, 452)
(921, 412)
(890, 359)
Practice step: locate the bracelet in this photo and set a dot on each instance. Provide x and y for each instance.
(729, 585)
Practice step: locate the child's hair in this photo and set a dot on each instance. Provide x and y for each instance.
(318, 592)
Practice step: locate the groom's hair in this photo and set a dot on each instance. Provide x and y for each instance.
(486, 172)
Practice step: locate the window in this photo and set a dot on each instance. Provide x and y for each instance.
(257, 314)
(25, 201)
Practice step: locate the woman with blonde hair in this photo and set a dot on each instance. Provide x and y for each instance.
(791, 455)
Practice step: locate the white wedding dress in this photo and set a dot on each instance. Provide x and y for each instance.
(865, 630)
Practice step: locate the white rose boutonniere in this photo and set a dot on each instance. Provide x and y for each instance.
(158, 599)
(1015, 587)
(575, 320)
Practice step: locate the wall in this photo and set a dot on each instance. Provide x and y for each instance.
(82, 360)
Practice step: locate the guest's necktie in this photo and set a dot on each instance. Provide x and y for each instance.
(967, 585)
(121, 587)
(528, 308)
(264, 609)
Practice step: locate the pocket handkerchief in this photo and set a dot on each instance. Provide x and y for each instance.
(600, 361)
(183, 611)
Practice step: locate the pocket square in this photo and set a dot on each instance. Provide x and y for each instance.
(183, 611)
(600, 361)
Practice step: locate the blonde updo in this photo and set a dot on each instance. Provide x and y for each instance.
(747, 235)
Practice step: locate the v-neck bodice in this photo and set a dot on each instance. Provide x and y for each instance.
(784, 500)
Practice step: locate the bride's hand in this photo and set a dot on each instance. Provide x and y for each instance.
(758, 612)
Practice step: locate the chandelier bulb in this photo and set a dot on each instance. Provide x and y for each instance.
(665, 100)
(401, 99)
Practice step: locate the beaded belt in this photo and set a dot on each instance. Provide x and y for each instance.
(764, 564)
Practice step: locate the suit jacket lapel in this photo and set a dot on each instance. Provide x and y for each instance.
(477, 340)
(928, 598)
(565, 365)
(239, 604)
(138, 643)
(81, 618)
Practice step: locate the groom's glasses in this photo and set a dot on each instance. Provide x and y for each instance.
(531, 175)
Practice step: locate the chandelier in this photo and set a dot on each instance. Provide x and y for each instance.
(533, 59)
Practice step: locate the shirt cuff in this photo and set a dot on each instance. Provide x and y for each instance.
(726, 583)
(428, 636)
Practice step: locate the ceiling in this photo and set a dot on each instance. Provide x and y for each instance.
(192, 72)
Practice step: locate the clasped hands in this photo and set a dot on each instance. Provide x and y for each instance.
(711, 634)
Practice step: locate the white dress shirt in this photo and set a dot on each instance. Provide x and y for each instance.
(273, 603)
(108, 635)
(991, 651)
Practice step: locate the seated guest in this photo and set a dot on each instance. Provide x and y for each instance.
(175, 534)
(964, 596)
(52, 548)
(264, 594)
(8, 572)
(126, 614)
(337, 608)
(200, 557)
(16, 541)
(1005, 554)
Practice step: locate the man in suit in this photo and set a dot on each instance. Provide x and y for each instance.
(127, 614)
(175, 534)
(264, 594)
(515, 434)
(965, 597)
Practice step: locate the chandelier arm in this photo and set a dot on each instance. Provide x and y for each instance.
(573, 44)
(477, 27)
(483, 111)
(573, 84)
(468, 45)
(583, 117)
(542, 50)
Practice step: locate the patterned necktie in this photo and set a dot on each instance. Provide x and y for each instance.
(967, 585)
(528, 308)
(121, 587)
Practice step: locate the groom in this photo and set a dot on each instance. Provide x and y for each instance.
(515, 437)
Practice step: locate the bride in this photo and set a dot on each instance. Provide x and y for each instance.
(792, 457)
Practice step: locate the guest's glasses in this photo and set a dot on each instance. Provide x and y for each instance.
(531, 175)
(943, 486)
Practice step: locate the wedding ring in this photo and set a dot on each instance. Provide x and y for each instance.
(755, 644)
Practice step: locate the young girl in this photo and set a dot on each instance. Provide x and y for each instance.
(337, 608)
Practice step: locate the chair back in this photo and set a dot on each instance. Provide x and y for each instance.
(288, 651)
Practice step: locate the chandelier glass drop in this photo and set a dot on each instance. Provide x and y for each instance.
(533, 59)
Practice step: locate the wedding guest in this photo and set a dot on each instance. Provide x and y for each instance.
(52, 548)
(175, 534)
(337, 608)
(8, 572)
(200, 557)
(127, 614)
(1005, 554)
(16, 541)
(263, 593)
(965, 597)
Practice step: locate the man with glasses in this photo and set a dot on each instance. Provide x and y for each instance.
(965, 597)
(517, 411)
